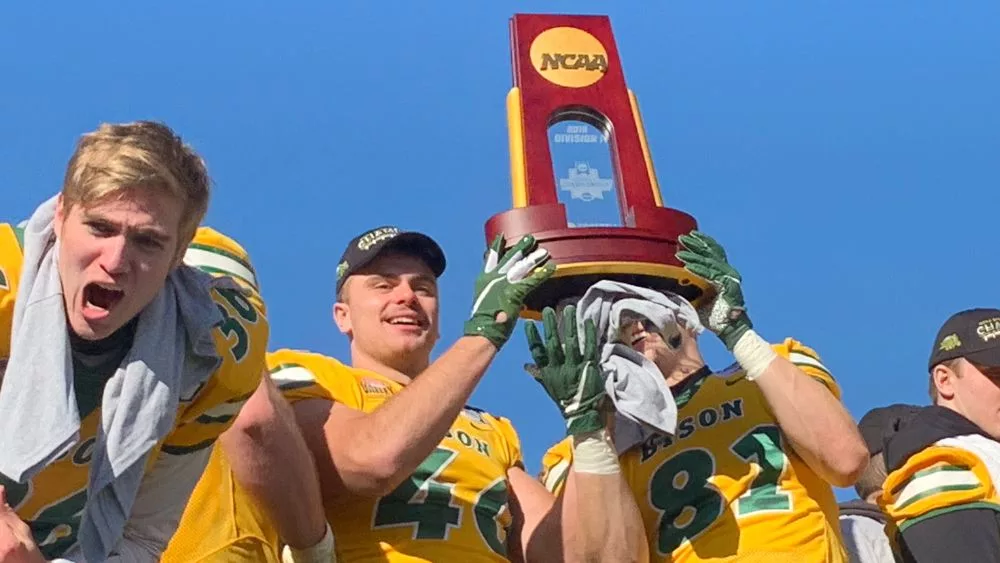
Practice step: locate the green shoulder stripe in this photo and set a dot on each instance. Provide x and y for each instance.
(932, 481)
(291, 376)
(801, 359)
(19, 233)
(219, 261)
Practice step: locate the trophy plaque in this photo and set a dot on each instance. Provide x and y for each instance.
(582, 177)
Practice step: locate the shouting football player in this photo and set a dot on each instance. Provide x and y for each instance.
(123, 365)
(748, 472)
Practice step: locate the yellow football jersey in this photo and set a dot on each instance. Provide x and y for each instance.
(52, 501)
(950, 474)
(727, 487)
(453, 507)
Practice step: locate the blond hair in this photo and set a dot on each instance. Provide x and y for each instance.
(117, 158)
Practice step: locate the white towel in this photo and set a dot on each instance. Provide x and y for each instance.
(643, 401)
(173, 352)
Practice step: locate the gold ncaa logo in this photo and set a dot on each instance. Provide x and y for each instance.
(569, 57)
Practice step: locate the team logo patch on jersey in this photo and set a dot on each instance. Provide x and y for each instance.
(473, 415)
(730, 371)
(476, 417)
(374, 386)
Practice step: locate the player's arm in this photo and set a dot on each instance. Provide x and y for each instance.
(809, 414)
(816, 423)
(534, 533)
(595, 517)
(371, 453)
(269, 459)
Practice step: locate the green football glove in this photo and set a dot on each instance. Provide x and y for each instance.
(569, 372)
(506, 281)
(726, 315)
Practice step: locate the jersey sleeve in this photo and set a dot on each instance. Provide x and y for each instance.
(304, 375)
(936, 481)
(220, 255)
(555, 466)
(807, 360)
(512, 440)
(10, 269)
(241, 341)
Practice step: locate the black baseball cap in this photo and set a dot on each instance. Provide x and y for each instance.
(368, 245)
(973, 334)
(882, 423)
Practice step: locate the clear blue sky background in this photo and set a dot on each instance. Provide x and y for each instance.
(845, 153)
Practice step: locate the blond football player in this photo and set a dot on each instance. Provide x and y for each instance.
(749, 473)
(123, 366)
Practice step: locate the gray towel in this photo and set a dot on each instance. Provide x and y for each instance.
(643, 401)
(173, 352)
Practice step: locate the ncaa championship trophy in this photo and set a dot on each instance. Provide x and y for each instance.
(583, 180)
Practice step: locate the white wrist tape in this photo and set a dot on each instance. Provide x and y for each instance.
(754, 354)
(322, 552)
(594, 453)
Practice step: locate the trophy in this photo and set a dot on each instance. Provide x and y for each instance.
(582, 177)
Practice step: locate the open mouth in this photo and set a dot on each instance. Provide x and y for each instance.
(101, 298)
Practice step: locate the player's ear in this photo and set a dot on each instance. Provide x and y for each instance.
(342, 317)
(943, 378)
(60, 216)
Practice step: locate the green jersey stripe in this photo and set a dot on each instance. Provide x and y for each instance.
(935, 481)
(185, 450)
(215, 260)
(220, 251)
(556, 476)
(803, 360)
(286, 375)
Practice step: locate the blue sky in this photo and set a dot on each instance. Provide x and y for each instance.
(844, 153)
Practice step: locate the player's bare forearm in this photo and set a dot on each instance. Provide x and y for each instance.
(371, 453)
(270, 460)
(817, 424)
(600, 519)
(534, 533)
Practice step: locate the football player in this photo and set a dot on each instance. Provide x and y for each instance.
(409, 471)
(748, 473)
(123, 365)
(944, 465)
(263, 446)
